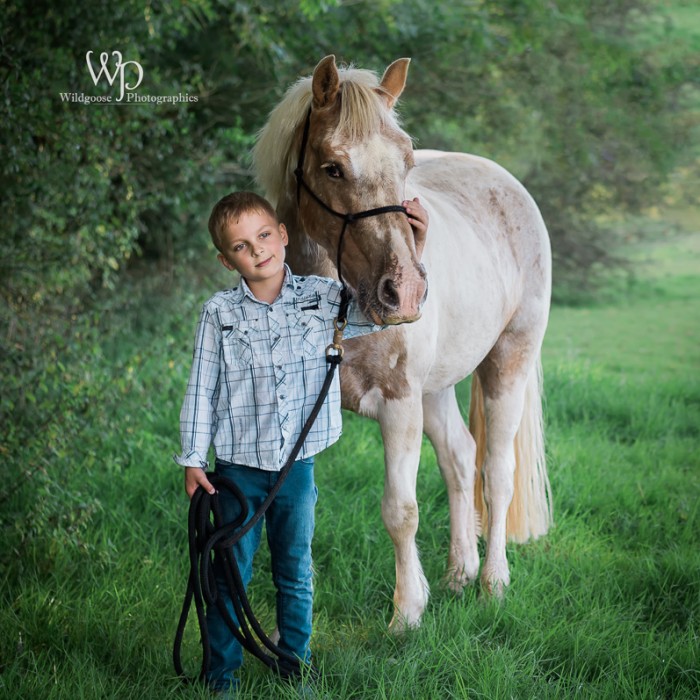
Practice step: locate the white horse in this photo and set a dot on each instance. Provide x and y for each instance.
(488, 263)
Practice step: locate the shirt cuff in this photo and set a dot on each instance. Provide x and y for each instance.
(191, 459)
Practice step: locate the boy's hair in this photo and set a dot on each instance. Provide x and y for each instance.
(231, 208)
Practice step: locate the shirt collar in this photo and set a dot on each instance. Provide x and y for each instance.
(243, 290)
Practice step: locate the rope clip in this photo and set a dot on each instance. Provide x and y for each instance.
(335, 349)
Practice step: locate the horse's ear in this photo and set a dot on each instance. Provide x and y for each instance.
(325, 83)
(394, 81)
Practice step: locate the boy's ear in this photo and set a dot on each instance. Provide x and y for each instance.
(225, 262)
(283, 234)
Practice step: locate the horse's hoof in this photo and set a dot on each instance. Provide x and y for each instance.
(457, 580)
(494, 586)
(400, 624)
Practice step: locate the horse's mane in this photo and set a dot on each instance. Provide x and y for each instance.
(362, 112)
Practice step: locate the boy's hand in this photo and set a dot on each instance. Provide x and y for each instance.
(194, 477)
(418, 218)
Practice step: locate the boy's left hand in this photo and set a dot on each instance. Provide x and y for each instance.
(418, 218)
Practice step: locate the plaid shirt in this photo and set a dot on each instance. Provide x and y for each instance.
(257, 371)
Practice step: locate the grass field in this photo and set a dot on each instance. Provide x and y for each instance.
(606, 606)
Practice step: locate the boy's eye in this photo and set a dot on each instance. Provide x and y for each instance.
(238, 248)
(264, 234)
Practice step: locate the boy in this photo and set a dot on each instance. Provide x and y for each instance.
(259, 363)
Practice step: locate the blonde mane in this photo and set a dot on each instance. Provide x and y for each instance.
(362, 112)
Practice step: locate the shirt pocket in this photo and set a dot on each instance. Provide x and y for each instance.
(237, 343)
(309, 334)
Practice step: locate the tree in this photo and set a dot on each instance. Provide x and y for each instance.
(576, 98)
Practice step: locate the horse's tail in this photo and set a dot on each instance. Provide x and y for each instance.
(530, 511)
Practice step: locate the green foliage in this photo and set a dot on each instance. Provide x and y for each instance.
(582, 100)
(88, 186)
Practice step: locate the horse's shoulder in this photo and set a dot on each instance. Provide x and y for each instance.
(375, 370)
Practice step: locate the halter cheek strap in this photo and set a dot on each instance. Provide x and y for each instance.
(347, 218)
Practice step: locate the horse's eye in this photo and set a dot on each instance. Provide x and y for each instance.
(333, 170)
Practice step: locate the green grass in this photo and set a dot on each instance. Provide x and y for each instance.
(606, 606)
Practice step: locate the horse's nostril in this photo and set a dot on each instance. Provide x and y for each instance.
(388, 294)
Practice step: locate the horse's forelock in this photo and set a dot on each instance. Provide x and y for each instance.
(362, 112)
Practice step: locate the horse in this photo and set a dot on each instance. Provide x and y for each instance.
(488, 264)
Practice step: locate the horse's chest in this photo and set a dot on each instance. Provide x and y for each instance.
(374, 370)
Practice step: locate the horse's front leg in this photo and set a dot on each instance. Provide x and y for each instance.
(401, 424)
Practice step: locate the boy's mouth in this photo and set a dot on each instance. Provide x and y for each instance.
(264, 262)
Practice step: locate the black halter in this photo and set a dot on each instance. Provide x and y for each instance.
(347, 218)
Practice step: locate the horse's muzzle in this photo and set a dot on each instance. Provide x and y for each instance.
(400, 296)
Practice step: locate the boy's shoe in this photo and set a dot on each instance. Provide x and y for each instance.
(307, 691)
(228, 692)
(231, 694)
(310, 690)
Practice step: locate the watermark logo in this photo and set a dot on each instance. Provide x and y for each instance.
(126, 76)
(118, 71)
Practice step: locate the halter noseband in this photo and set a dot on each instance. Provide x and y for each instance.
(347, 218)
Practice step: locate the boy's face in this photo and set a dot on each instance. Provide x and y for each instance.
(254, 246)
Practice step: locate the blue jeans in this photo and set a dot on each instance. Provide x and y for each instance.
(290, 528)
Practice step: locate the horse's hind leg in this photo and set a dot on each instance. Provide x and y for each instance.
(503, 375)
(401, 424)
(456, 454)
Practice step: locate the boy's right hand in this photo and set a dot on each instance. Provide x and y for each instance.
(194, 477)
(418, 218)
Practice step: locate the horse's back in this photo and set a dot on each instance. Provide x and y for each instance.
(430, 164)
(464, 176)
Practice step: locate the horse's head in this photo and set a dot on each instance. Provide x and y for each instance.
(356, 158)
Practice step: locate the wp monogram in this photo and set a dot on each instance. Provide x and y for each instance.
(118, 71)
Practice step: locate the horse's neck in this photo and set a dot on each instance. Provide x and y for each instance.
(304, 255)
